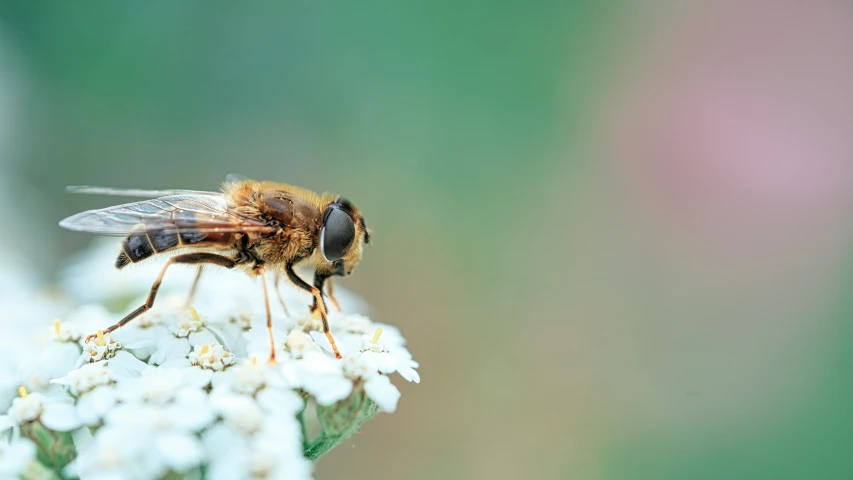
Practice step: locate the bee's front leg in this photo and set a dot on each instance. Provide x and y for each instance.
(318, 302)
(330, 293)
(319, 280)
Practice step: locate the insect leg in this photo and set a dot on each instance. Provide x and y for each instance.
(261, 271)
(330, 293)
(318, 300)
(191, 295)
(278, 294)
(319, 280)
(189, 258)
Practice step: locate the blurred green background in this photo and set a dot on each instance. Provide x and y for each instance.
(617, 236)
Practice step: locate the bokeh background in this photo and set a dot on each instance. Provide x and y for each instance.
(617, 234)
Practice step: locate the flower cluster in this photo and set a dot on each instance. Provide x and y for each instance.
(177, 393)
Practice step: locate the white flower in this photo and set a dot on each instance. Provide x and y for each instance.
(250, 376)
(268, 460)
(188, 330)
(161, 385)
(153, 430)
(169, 348)
(189, 411)
(240, 412)
(62, 332)
(55, 359)
(389, 359)
(381, 391)
(100, 347)
(377, 386)
(93, 384)
(309, 322)
(353, 323)
(211, 356)
(86, 378)
(54, 413)
(84, 320)
(174, 393)
(10, 379)
(124, 364)
(249, 423)
(141, 338)
(188, 324)
(299, 343)
(347, 342)
(26, 408)
(258, 342)
(323, 377)
(138, 444)
(273, 454)
(283, 402)
(15, 456)
(93, 405)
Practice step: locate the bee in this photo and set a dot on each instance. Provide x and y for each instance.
(252, 226)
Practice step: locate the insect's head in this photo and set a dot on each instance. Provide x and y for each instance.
(342, 236)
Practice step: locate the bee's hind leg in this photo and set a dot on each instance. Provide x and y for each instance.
(278, 294)
(261, 271)
(189, 258)
(194, 287)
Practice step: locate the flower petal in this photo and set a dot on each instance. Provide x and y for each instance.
(280, 400)
(170, 348)
(381, 391)
(125, 365)
(409, 374)
(191, 410)
(61, 417)
(176, 363)
(202, 337)
(328, 389)
(6, 422)
(93, 405)
(15, 457)
(179, 451)
(194, 377)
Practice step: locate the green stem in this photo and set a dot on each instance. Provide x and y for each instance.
(301, 417)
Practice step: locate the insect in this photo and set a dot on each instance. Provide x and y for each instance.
(253, 226)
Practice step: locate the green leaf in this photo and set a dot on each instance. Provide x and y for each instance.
(340, 421)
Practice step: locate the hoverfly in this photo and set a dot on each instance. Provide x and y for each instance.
(253, 226)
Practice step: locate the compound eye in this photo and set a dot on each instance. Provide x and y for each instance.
(337, 234)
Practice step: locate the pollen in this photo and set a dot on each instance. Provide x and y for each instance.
(204, 349)
(22, 391)
(101, 341)
(376, 335)
(57, 325)
(194, 314)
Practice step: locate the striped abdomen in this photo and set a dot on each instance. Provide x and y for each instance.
(140, 246)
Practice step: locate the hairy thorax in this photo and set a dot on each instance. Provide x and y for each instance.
(296, 215)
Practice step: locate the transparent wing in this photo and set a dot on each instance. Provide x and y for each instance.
(178, 213)
(133, 192)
